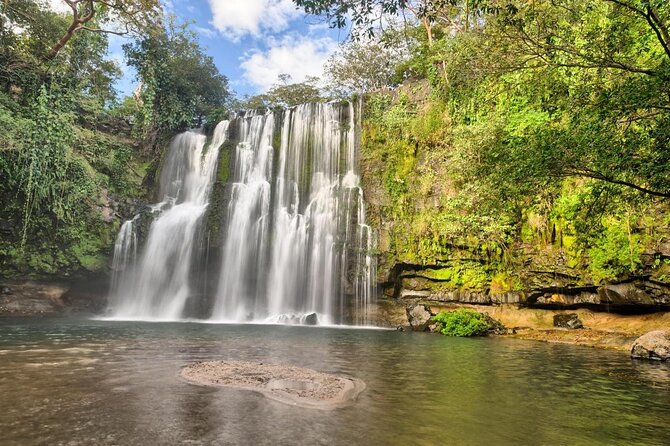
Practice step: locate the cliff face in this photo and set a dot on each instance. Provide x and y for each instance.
(445, 235)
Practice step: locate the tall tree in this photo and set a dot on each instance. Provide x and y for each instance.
(91, 15)
(180, 84)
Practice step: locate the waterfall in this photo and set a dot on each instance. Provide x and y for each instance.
(296, 241)
(156, 285)
(125, 252)
(295, 244)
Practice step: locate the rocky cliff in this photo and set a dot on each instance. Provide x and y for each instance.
(445, 236)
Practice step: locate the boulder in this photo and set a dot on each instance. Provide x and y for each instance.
(6, 290)
(653, 345)
(419, 317)
(568, 320)
(310, 319)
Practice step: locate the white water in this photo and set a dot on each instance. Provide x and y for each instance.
(296, 246)
(296, 241)
(156, 284)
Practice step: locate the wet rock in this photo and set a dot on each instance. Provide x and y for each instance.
(284, 383)
(624, 294)
(310, 319)
(419, 317)
(32, 298)
(414, 294)
(495, 326)
(653, 345)
(434, 328)
(568, 320)
(506, 298)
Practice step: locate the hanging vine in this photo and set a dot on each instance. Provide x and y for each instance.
(44, 163)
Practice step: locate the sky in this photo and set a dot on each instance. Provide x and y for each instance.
(252, 42)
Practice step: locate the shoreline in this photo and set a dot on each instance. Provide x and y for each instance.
(605, 330)
(613, 331)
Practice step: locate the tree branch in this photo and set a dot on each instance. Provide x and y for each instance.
(105, 31)
(659, 28)
(588, 173)
(651, 17)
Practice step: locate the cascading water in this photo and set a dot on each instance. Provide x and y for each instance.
(296, 241)
(296, 248)
(156, 285)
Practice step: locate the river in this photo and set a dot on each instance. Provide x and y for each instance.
(77, 381)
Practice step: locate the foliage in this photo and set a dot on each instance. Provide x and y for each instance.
(536, 135)
(366, 66)
(368, 17)
(45, 161)
(462, 322)
(122, 17)
(616, 253)
(286, 94)
(180, 83)
(63, 154)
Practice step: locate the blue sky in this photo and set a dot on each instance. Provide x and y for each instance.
(251, 41)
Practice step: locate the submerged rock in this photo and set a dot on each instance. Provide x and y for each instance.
(288, 384)
(419, 317)
(32, 298)
(568, 320)
(653, 345)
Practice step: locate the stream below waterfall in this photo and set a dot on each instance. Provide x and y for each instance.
(68, 381)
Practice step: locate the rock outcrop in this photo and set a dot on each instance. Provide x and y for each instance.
(32, 298)
(419, 317)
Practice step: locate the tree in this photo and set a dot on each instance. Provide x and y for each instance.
(366, 16)
(285, 94)
(576, 89)
(366, 66)
(179, 83)
(89, 15)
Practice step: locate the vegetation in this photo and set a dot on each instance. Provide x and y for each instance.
(179, 83)
(359, 67)
(285, 94)
(70, 156)
(462, 322)
(527, 137)
(497, 137)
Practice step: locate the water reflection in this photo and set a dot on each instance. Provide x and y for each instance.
(86, 382)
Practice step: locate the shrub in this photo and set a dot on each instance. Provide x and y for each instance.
(462, 322)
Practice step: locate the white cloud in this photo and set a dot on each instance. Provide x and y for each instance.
(206, 32)
(235, 18)
(299, 56)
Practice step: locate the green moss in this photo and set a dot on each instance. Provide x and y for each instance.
(416, 150)
(468, 275)
(504, 281)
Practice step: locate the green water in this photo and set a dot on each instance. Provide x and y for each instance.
(95, 382)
